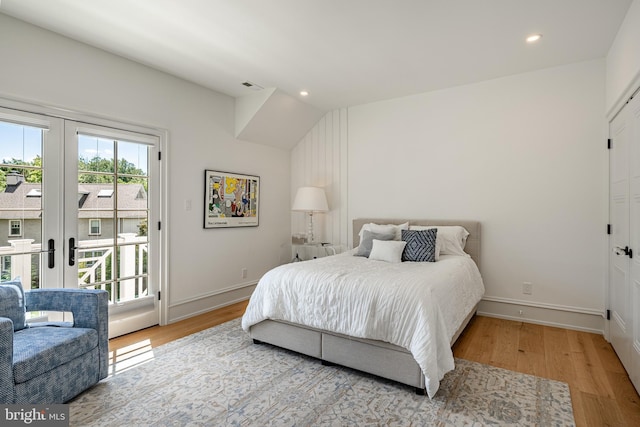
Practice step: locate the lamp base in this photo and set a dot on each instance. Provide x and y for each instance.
(310, 237)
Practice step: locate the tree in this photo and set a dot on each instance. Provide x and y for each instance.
(35, 175)
(32, 173)
(92, 171)
(142, 227)
(89, 167)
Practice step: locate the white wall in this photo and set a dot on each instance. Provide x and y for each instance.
(623, 60)
(525, 155)
(49, 69)
(522, 154)
(320, 160)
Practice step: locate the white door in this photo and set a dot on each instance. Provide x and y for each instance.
(30, 219)
(111, 201)
(634, 239)
(79, 204)
(624, 242)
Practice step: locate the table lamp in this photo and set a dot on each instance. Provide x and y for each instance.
(310, 200)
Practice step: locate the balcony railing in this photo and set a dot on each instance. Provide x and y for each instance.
(120, 269)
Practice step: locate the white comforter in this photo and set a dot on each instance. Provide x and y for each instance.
(418, 306)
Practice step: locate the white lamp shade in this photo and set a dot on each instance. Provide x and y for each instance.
(310, 199)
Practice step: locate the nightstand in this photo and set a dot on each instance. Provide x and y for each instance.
(305, 251)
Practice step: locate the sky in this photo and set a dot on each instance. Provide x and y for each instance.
(24, 143)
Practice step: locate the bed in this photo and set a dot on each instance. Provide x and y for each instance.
(393, 320)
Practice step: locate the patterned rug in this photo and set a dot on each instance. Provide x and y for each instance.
(218, 377)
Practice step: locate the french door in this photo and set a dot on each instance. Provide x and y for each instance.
(624, 242)
(77, 202)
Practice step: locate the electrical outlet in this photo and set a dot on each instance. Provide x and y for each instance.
(527, 288)
(244, 273)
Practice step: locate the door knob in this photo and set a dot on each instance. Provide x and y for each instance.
(51, 252)
(72, 251)
(624, 251)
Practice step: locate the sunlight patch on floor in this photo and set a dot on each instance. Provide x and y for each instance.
(130, 356)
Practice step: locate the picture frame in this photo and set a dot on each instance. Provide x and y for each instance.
(231, 199)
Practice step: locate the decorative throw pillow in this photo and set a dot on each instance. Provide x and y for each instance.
(366, 243)
(421, 245)
(451, 239)
(12, 304)
(384, 228)
(388, 251)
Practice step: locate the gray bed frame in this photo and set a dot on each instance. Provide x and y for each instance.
(371, 356)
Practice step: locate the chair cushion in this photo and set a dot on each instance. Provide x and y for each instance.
(39, 350)
(12, 303)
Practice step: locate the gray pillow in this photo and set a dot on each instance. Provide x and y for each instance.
(366, 242)
(12, 303)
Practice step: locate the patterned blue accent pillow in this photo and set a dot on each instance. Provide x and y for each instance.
(12, 303)
(421, 245)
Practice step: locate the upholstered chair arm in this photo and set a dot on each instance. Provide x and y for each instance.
(6, 360)
(90, 309)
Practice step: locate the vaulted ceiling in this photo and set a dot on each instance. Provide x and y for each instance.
(343, 52)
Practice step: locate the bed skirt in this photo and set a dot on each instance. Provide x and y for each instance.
(371, 356)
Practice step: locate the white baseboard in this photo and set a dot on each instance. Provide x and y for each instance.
(586, 320)
(580, 319)
(193, 307)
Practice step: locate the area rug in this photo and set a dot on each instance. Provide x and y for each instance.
(218, 377)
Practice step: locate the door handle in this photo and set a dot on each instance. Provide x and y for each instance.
(72, 251)
(50, 253)
(624, 251)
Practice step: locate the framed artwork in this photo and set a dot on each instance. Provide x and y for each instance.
(230, 199)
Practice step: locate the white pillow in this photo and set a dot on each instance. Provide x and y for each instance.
(385, 229)
(387, 250)
(450, 239)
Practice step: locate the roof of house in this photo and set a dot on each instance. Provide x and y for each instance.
(15, 204)
(94, 201)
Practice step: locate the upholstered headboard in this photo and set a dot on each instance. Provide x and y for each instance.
(473, 227)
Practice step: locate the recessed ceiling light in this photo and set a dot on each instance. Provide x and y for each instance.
(534, 38)
(304, 93)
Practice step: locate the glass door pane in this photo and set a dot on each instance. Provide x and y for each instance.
(133, 219)
(96, 204)
(22, 214)
(113, 216)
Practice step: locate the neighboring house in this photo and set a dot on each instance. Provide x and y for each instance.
(96, 203)
(21, 204)
(20, 210)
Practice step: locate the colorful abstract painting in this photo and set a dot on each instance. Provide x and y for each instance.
(231, 199)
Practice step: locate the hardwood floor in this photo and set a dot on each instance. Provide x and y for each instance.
(158, 335)
(136, 348)
(601, 392)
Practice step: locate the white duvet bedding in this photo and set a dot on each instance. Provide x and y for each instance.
(418, 306)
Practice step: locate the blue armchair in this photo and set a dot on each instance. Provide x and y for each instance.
(44, 363)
